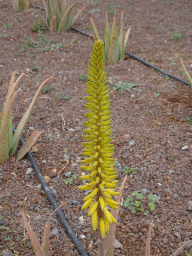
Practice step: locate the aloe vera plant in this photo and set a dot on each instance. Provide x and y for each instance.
(38, 249)
(186, 72)
(8, 140)
(114, 49)
(21, 5)
(60, 15)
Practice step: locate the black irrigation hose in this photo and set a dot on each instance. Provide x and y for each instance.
(135, 57)
(151, 66)
(55, 205)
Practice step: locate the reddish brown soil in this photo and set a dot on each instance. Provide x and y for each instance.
(153, 114)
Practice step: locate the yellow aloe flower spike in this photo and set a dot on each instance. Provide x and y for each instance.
(98, 150)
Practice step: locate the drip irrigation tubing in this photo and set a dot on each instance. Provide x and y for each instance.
(52, 200)
(134, 57)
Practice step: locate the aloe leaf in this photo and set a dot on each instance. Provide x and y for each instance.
(106, 38)
(34, 241)
(9, 129)
(28, 144)
(111, 54)
(95, 29)
(127, 35)
(12, 86)
(186, 72)
(14, 4)
(110, 237)
(181, 249)
(4, 147)
(78, 14)
(45, 5)
(63, 22)
(69, 20)
(147, 249)
(46, 234)
(49, 13)
(25, 118)
(53, 24)
(21, 5)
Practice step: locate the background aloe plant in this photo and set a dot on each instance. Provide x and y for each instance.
(114, 44)
(8, 140)
(186, 72)
(60, 15)
(21, 5)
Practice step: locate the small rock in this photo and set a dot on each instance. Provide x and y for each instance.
(132, 96)
(144, 191)
(65, 150)
(31, 128)
(75, 165)
(44, 161)
(67, 174)
(189, 206)
(76, 209)
(82, 236)
(29, 170)
(54, 233)
(7, 253)
(117, 244)
(1, 223)
(189, 245)
(39, 187)
(177, 235)
(78, 128)
(47, 179)
(90, 246)
(185, 147)
(132, 143)
(81, 223)
(75, 202)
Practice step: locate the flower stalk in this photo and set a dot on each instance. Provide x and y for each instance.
(98, 151)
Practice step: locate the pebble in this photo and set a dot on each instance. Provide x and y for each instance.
(132, 143)
(82, 236)
(7, 253)
(1, 223)
(78, 128)
(67, 174)
(189, 206)
(185, 147)
(117, 244)
(39, 187)
(29, 170)
(31, 128)
(132, 96)
(75, 165)
(54, 233)
(177, 235)
(74, 202)
(144, 191)
(81, 223)
(44, 161)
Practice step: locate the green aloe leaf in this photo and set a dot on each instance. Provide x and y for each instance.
(24, 119)
(4, 147)
(63, 22)
(186, 72)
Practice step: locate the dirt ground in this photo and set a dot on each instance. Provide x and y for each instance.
(152, 126)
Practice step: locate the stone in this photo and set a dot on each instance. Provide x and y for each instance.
(189, 206)
(54, 233)
(67, 174)
(132, 143)
(117, 244)
(31, 128)
(177, 235)
(44, 161)
(29, 170)
(144, 191)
